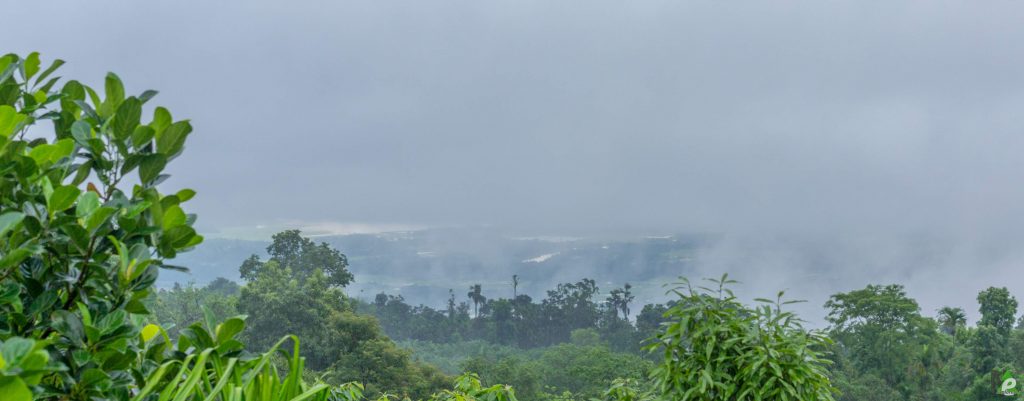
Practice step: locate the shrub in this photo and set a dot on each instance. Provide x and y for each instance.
(715, 348)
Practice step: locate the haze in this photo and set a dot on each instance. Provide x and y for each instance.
(831, 144)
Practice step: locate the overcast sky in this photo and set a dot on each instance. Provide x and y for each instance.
(853, 118)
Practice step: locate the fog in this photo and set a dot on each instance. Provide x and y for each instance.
(828, 144)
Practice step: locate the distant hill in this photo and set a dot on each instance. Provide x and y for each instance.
(423, 265)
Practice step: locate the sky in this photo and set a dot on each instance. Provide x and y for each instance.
(880, 137)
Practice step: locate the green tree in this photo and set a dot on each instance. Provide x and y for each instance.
(181, 306)
(343, 344)
(952, 319)
(303, 257)
(990, 343)
(476, 295)
(619, 300)
(880, 331)
(279, 304)
(998, 309)
(715, 348)
(79, 248)
(585, 371)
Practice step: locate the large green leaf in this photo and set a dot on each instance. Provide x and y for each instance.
(62, 198)
(14, 257)
(9, 220)
(51, 153)
(14, 389)
(151, 166)
(114, 91)
(127, 118)
(9, 120)
(171, 139)
(31, 65)
(173, 217)
(97, 218)
(87, 203)
(229, 329)
(49, 70)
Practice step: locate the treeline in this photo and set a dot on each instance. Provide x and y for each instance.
(521, 321)
(885, 349)
(880, 345)
(343, 343)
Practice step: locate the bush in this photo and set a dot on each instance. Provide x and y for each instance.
(715, 348)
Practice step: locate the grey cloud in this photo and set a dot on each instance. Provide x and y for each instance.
(808, 119)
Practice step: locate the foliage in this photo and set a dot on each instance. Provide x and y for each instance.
(881, 334)
(715, 348)
(629, 390)
(520, 321)
(451, 357)
(78, 252)
(23, 363)
(998, 309)
(281, 304)
(180, 306)
(218, 366)
(468, 387)
(582, 371)
(342, 344)
(952, 319)
(303, 258)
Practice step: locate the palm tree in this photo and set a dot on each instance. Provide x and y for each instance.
(618, 300)
(951, 319)
(476, 295)
(627, 297)
(451, 304)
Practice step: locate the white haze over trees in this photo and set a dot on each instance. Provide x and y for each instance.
(822, 155)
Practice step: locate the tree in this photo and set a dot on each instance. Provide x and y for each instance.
(619, 299)
(79, 248)
(278, 304)
(291, 250)
(998, 309)
(650, 318)
(573, 306)
(880, 332)
(476, 295)
(990, 343)
(715, 348)
(887, 307)
(181, 306)
(952, 319)
(347, 346)
(585, 371)
(451, 304)
(504, 331)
